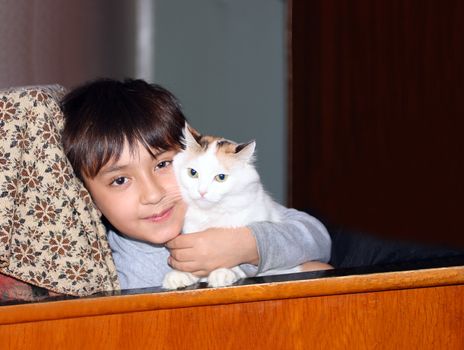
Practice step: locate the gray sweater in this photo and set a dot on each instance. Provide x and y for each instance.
(297, 239)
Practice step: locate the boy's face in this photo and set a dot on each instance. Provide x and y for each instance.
(139, 195)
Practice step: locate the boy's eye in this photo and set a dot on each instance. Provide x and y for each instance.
(163, 164)
(119, 181)
(192, 173)
(221, 177)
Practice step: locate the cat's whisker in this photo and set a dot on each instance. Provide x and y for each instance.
(168, 200)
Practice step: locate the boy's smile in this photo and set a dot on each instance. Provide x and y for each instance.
(139, 196)
(160, 217)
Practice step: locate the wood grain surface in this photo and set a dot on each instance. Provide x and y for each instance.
(376, 116)
(400, 310)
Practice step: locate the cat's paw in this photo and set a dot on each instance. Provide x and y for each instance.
(177, 279)
(222, 277)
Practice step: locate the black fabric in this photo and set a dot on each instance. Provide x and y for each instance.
(353, 249)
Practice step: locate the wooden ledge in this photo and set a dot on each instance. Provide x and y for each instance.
(127, 302)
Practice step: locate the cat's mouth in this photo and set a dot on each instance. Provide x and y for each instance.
(203, 202)
(163, 215)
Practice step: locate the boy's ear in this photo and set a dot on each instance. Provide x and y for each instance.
(245, 151)
(191, 137)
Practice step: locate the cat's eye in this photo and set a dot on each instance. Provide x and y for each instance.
(192, 172)
(221, 177)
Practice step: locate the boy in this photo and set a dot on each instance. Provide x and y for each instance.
(120, 138)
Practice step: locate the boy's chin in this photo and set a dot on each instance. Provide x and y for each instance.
(162, 238)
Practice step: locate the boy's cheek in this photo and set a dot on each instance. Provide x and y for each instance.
(94, 202)
(183, 210)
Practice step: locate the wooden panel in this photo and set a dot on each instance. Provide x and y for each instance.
(377, 95)
(430, 318)
(382, 311)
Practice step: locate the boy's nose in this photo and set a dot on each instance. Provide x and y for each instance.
(151, 192)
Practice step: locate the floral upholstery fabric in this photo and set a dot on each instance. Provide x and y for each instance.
(51, 235)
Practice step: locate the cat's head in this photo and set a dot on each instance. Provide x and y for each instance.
(212, 170)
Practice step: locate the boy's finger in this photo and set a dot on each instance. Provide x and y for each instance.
(181, 255)
(200, 273)
(180, 242)
(187, 266)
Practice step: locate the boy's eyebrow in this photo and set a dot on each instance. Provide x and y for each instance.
(159, 153)
(112, 168)
(117, 167)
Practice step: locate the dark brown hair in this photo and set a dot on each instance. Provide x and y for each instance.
(101, 115)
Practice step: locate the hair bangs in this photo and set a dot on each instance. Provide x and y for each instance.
(105, 116)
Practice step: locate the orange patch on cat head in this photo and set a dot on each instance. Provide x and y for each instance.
(227, 152)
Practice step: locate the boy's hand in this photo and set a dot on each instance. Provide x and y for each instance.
(202, 252)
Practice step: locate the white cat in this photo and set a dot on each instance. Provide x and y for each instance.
(222, 188)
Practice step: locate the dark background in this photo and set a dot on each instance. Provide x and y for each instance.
(376, 108)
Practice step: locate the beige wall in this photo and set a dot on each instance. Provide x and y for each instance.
(66, 42)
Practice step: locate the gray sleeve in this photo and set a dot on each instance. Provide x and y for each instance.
(297, 239)
(138, 264)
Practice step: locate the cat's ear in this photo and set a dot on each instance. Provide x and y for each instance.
(245, 151)
(191, 137)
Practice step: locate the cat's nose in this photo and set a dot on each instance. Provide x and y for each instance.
(202, 193)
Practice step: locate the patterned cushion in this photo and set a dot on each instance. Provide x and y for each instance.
(51, 235)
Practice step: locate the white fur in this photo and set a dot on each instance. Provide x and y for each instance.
(238, 201)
